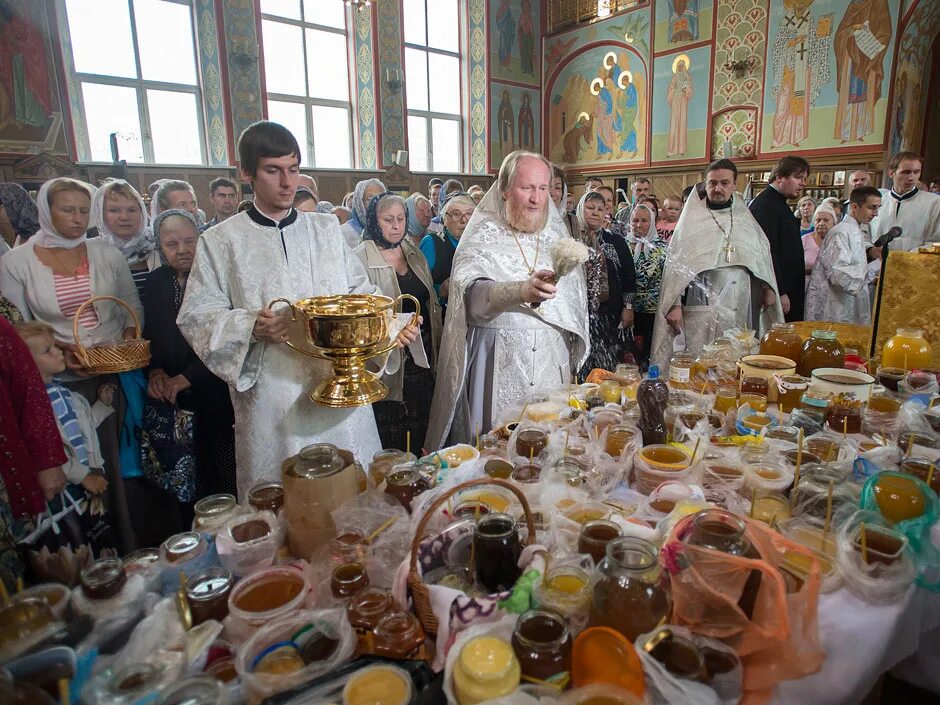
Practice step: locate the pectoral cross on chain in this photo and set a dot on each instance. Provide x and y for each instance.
(729, 250)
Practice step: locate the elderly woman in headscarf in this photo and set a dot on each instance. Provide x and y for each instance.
(611, 285)
(439, 249)
(19, 218)
(305, 200)
(824, 220)
(649, 250)
(120, 217)
(419, 217)
(363, 194)
(805, 208)
(396, 266)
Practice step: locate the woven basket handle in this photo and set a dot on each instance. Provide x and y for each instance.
(78, 312)
(439, 502)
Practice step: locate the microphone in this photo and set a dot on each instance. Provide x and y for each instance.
(886, 239)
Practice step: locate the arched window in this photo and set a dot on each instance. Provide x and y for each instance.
(433, 85)
(305, 68)
(134, 68)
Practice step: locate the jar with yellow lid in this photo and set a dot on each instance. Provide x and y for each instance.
(782, 340)
(680, 370)
(907, 349)
(823, 349)
(487, 668)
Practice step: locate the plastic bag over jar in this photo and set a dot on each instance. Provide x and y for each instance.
(876, 561)
(249, 542)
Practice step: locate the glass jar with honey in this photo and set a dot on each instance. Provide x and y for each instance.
(782, 340)
(213, 511)
(542, 644)
(566, 590)
(680, 370)
(846, 416)
(703, 376)
(790, 389)
(755, 385)
(907, 349)
(404, 483)
(266, 496)
(726, 398)
(399, 635)
(629, 378)
(823, 349)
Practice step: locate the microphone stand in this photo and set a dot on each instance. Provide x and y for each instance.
(876, 314)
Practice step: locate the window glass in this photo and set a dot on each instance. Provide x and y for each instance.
(114, 57)
(174, 126)
(294, 118)
(416, 78)
(446, 145)
(417, 143)
(326, 64)
(283, 58)
(112, 109)
(284, 8)
(444, 72)
(165, 41)
(414, 21)
(331, 137)
(331, 13)
(443, 25)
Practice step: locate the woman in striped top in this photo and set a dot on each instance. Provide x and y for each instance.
(121, 220)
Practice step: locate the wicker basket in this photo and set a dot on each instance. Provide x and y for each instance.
(421, 596)
(849, 334)
(121, 357)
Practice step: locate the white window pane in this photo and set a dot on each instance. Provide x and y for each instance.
(87, 20)
(326, 64)
(331, 13)
(293, 116)
(283, 58)
(446, 136)
(331, 137)
(444, 72)
(414, 22)
(417, 143)
(174, 127)
(165, 41)
(416, 79)
(443, 25)
(283, 8)
(112, 109)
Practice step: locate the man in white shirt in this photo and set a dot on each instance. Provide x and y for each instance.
(916, 212)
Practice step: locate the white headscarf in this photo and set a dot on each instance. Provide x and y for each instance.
(142, 243)
(643, 244)
(829, 210)
(48, 236)
(579, 209)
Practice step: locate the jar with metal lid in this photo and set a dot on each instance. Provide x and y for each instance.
(213, 511)
(823, 349)
(782, 340)
(399, 635)
(267, 495)
(542, 644)
(680, 370)
(404, 483)
(103, 579)
(207, 594)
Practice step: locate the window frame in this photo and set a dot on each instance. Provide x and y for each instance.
(141, 86)
(309, 158)
(429, 115)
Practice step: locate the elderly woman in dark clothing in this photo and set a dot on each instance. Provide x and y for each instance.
(178, 378)
(19, 216)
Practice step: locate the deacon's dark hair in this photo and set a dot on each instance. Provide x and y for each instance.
(901, 156)
(789, 166)
(265, 139)
(221, 182)
(722, 164)
(862, 194)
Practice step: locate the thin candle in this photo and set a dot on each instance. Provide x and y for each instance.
(845, 427)
(910, 445)
(695, 449)
(478, 438)
(371, 537)
(19, 585)
(408, 442)
(796, 473)
(864, 541)
(567, 435)
(64, 695)
(930, 474)
(753, 501)
(828, 508)
(4, 595)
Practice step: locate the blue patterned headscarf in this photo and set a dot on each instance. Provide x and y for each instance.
(372, 230)
(359, 205)
(411, 208)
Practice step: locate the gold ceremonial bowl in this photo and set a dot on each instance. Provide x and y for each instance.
(347, 330)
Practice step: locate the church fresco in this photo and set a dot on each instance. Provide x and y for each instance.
(680, 105)
(827, 74)
(514, 121)
(682, 22)
(515, 49)
(910, 91)
(597, 108)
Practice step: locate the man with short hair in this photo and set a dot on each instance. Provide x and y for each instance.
(176, 193)
(837, 290)
(223, 195)
(904, 205)
(641, 189)
(434, 192)
(512, 328)
(241, 266)
(592, 183)
(668, 217)
(775, 217)
(718, 273)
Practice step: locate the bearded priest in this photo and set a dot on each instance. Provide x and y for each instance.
(719, 273)
(511, 329)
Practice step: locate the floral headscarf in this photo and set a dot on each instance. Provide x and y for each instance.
(21, 209)
(359, 206)
(643, 243)
(415, 228)
(372, 230)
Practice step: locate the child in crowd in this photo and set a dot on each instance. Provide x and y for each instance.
(77, 419)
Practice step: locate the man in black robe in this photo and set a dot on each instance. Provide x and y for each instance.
(775, 217)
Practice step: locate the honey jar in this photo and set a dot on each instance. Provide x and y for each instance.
(907, 349)
(782, 340)
(542, 644)
(399, 635)
(680, 370)
(823, 349)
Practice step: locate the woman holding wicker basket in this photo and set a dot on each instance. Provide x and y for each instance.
(55, 277)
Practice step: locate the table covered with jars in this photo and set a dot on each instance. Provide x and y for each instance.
(754, 523)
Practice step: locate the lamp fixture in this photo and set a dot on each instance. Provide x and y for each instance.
(359, 5)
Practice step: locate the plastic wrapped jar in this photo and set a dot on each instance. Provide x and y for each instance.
(266, 595)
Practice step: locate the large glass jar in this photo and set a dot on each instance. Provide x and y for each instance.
(821, 350)
(267, 495)
(782, 340)
(542, 644)
(907, 349)
(103, 579)
(404, 483)
(213, 511)
(207, 594)
(628, 597)
(680, 370)
(703, 376)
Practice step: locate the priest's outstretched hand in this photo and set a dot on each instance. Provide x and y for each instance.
(539, 287)
(409, 333)
(271, 326)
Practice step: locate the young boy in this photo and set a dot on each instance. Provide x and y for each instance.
(76, 418)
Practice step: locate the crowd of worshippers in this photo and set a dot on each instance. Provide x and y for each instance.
(224, 399)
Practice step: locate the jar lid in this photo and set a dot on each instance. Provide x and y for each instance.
(215, 504)
(487, 658)
(317, 460)
(819, 402)
(180, 545)
(825, 334)
(783, 326)
(142, 558)
(209, 584)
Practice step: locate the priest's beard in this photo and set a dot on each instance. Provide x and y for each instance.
(519, 219)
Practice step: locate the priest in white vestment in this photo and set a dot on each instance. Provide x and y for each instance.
(719, 273)
(510, 331)
(916, 212)
(241, 265)
(837, 287)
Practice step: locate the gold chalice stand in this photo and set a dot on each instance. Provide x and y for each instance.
(347, 330)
